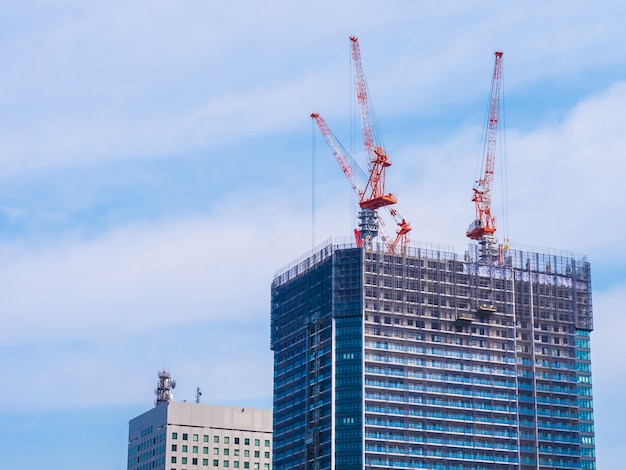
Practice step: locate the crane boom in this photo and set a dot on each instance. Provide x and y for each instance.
(361, 93)
(338, 151)
(485, 222)
(373, 196)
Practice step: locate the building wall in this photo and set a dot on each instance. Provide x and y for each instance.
(147, 440)
(440, 361)
(181, 435)
(301, 339)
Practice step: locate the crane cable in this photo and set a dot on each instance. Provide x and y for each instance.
(504, 168)
(312, 184)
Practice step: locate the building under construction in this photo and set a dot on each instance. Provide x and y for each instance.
(432, 360)
(393, 355)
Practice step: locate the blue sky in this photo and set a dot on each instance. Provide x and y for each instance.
(156, 166)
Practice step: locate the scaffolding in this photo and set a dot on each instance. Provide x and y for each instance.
(494, 345)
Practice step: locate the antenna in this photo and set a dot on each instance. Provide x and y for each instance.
(164, 387)
(198, 394)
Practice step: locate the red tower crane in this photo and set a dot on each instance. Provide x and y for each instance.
(374, 196)
(484, 226)
(350, 168)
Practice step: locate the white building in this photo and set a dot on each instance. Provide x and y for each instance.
(188, 436)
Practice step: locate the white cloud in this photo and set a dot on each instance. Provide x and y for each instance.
(113, 80)
(190, 294)
(119, 369)
(88, 84)
(565, 181)
(607, 343)
(609, 374)
(153, 274)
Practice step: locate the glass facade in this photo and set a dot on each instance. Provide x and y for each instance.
(432, 361)
(301, 337)
(348, 353)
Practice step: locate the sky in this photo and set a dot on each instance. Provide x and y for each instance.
(158, 165)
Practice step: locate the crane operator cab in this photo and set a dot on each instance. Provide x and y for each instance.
(475, 231)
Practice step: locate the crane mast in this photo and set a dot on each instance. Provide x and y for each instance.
(484, 225)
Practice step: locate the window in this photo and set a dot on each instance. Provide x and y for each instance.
(173, 459)
(174, 435)
(195, 449)
(226, 440)
(225, 463)
(236, 464)
(587, 440)
(256, 465)
(266, 455)
(236, 440)
(266, 466)
(216, 438)
(184, 448)
(184, 460)
(236, 452)
(185, 436)
(216, 451)
(246, 441)
(205, 462)
(256, 454)
(257, 442)
(267, 442)
(246, 453)
(194, 461)
(225, 451)
(195, 437)
(174, 447)
(205, 438)
(205, 450)
(216, 463)
(246, 465)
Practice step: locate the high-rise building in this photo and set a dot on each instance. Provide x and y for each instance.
(432, 360)
(189, 436)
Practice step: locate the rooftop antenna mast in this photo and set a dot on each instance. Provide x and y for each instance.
(164, 388)
(198, 394)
